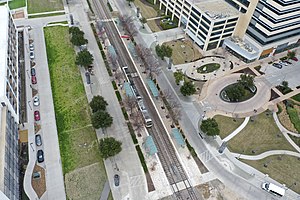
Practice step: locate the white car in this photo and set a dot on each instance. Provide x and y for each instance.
(31, 47)
(36, 101)
(283, 63)
(31, 55)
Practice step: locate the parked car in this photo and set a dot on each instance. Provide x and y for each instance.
(36, 101)
(283, 63)
(31, 55)
(37, 116)
(277, 65)
(33, 80)
(288, 62)
(38, 140)
(117, 179)
(31, 47)
(40, 156)
(32, 70)
(295, 59)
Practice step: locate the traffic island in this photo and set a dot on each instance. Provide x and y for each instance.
(38, 180)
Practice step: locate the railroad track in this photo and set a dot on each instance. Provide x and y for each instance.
(173, 169)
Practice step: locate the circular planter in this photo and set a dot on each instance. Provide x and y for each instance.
(249, 93)
(208, 68)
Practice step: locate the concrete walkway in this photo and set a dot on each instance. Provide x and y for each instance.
(266, 154)
(105, 191)
(285, 133)
(236, 131)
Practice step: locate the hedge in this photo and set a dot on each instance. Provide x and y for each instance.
(132, 134)
(118, 96)
(142, 158)
(125, 113)
(114, 85)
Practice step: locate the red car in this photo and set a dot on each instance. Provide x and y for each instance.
(37, 115)
(33, 80)
(295, 59)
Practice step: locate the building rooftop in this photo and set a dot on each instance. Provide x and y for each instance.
(216, 9)
(3, 47)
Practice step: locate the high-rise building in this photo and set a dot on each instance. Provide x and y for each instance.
(9, 105)
(250, 29)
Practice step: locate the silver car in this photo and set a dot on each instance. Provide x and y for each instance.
(38, 140)
(36, 101)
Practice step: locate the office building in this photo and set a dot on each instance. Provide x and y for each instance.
(9, 107)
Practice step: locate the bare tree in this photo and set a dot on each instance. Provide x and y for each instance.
(129, 102)
(137, 122)
(118, 76)
(128, 24)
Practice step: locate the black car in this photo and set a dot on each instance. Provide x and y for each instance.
(117, 179)
(40, 156)
(32, 72)
(38, 140)
(277, 65)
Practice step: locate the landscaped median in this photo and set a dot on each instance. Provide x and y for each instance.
(82, 164)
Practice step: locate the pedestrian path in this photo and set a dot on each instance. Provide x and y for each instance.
(236, 131)
(105, 191)
(266, 154)
(285, 133)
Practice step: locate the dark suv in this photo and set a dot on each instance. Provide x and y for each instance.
(40, 156)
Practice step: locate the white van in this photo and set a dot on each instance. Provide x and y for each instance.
(273, 189)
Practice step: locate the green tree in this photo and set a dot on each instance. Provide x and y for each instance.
(235, 92)
(98, 103)
(167, 50)
(210, 127)
(188, 88)
(78, 40)
(178, 76)
(75, 30)
(246, 80)
(159, 52)
(291, 54)
(101, 119)
(109, 147)
(84, 58)
(285, 87)
(143, 21)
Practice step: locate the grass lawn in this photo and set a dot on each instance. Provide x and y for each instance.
(259, 136)
(14, 4)
(294, 116)
(77, 139)
(282, 168)
(146, 11)
(153, 26)
(227, 125)
(183, 51)
(296, 97)
(39, 6)
(208, 68)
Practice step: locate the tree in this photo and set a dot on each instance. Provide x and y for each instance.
(235, 92)
(101, 119)
(78, 40)
(98, 103)
(246, 80)
(178, 76)
(109, 147)
(129, 102)
(188, 88)
(163, 51)
(291, 54)
(159, 51)
(143, 21)
(138, 122)
(84, 58)
(210, 127)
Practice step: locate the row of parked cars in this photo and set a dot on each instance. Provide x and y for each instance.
(36, 102)
(280, 64)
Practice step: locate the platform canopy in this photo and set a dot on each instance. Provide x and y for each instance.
(178, 137)
(150, 146)
(152, 87)
(128, 90)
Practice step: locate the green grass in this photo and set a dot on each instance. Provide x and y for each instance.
(283, 168)
(261, 135)
(62, 22)
(208, 68)
(46, 15)
(296, 97)
(14, 4)
(227, 124)
(146, 11)
(294, 117)
(71, 107)
(39, 6)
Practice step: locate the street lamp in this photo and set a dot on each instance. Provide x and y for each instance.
(29, 105)
(31, 146)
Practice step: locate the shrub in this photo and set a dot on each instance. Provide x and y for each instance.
(142, 158)
(178, 77)
(109, 7)
(279, 109)
(125, 113)
(118, 96)
(114, 85)
(191, 149)
(294, 117)
(132, 134)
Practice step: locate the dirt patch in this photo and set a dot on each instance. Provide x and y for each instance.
(37, 128)
(85, 182)
(200, 165)
(149, 182)
(39, 184)
(19, 14)
(216, 190)
(285, 119)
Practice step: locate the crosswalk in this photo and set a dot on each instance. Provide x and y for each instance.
(206, 156)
